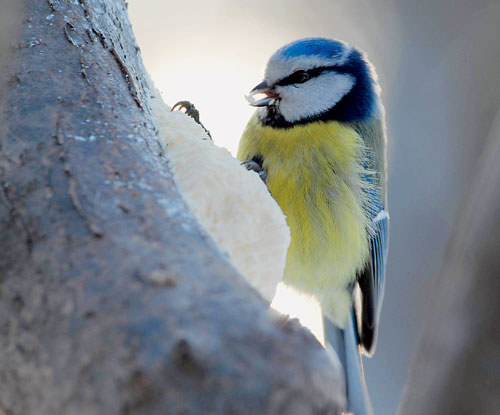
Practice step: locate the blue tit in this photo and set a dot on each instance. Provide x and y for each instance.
(318, 137)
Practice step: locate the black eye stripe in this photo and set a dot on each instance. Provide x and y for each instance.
(299, 77)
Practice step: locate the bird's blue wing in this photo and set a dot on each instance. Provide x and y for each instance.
(372, 280)
(372, 284)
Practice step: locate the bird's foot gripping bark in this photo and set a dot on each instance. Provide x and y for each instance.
(192, 111)
(256, 167)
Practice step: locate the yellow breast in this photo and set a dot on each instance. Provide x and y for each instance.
(313, 172)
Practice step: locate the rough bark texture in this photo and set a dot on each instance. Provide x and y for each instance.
(112, 300)
(457, 367)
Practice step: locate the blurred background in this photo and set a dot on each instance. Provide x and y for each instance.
(439, 68)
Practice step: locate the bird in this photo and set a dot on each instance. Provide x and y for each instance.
(318, 140)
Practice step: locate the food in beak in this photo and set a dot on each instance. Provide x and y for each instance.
(261, 96)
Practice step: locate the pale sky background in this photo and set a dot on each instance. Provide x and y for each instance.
(439, 66)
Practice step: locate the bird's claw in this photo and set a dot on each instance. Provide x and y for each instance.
(190, 109)
(256, 167)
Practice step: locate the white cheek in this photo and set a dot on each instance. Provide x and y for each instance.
(313, 97)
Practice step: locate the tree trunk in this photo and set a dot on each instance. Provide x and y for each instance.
(457, 366)
(112, 299)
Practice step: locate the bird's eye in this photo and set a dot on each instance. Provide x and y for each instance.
(298, 77)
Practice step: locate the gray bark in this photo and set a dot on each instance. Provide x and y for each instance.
(457, 367)
(112, 299)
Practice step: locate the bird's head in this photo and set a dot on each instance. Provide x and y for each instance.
(316, 79)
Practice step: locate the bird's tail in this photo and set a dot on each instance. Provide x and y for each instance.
(345, 344)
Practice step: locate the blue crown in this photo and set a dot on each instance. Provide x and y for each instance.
(314, 46)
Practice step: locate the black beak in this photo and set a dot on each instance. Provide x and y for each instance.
(269, 97)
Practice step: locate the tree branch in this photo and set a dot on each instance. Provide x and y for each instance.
(113, 300)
